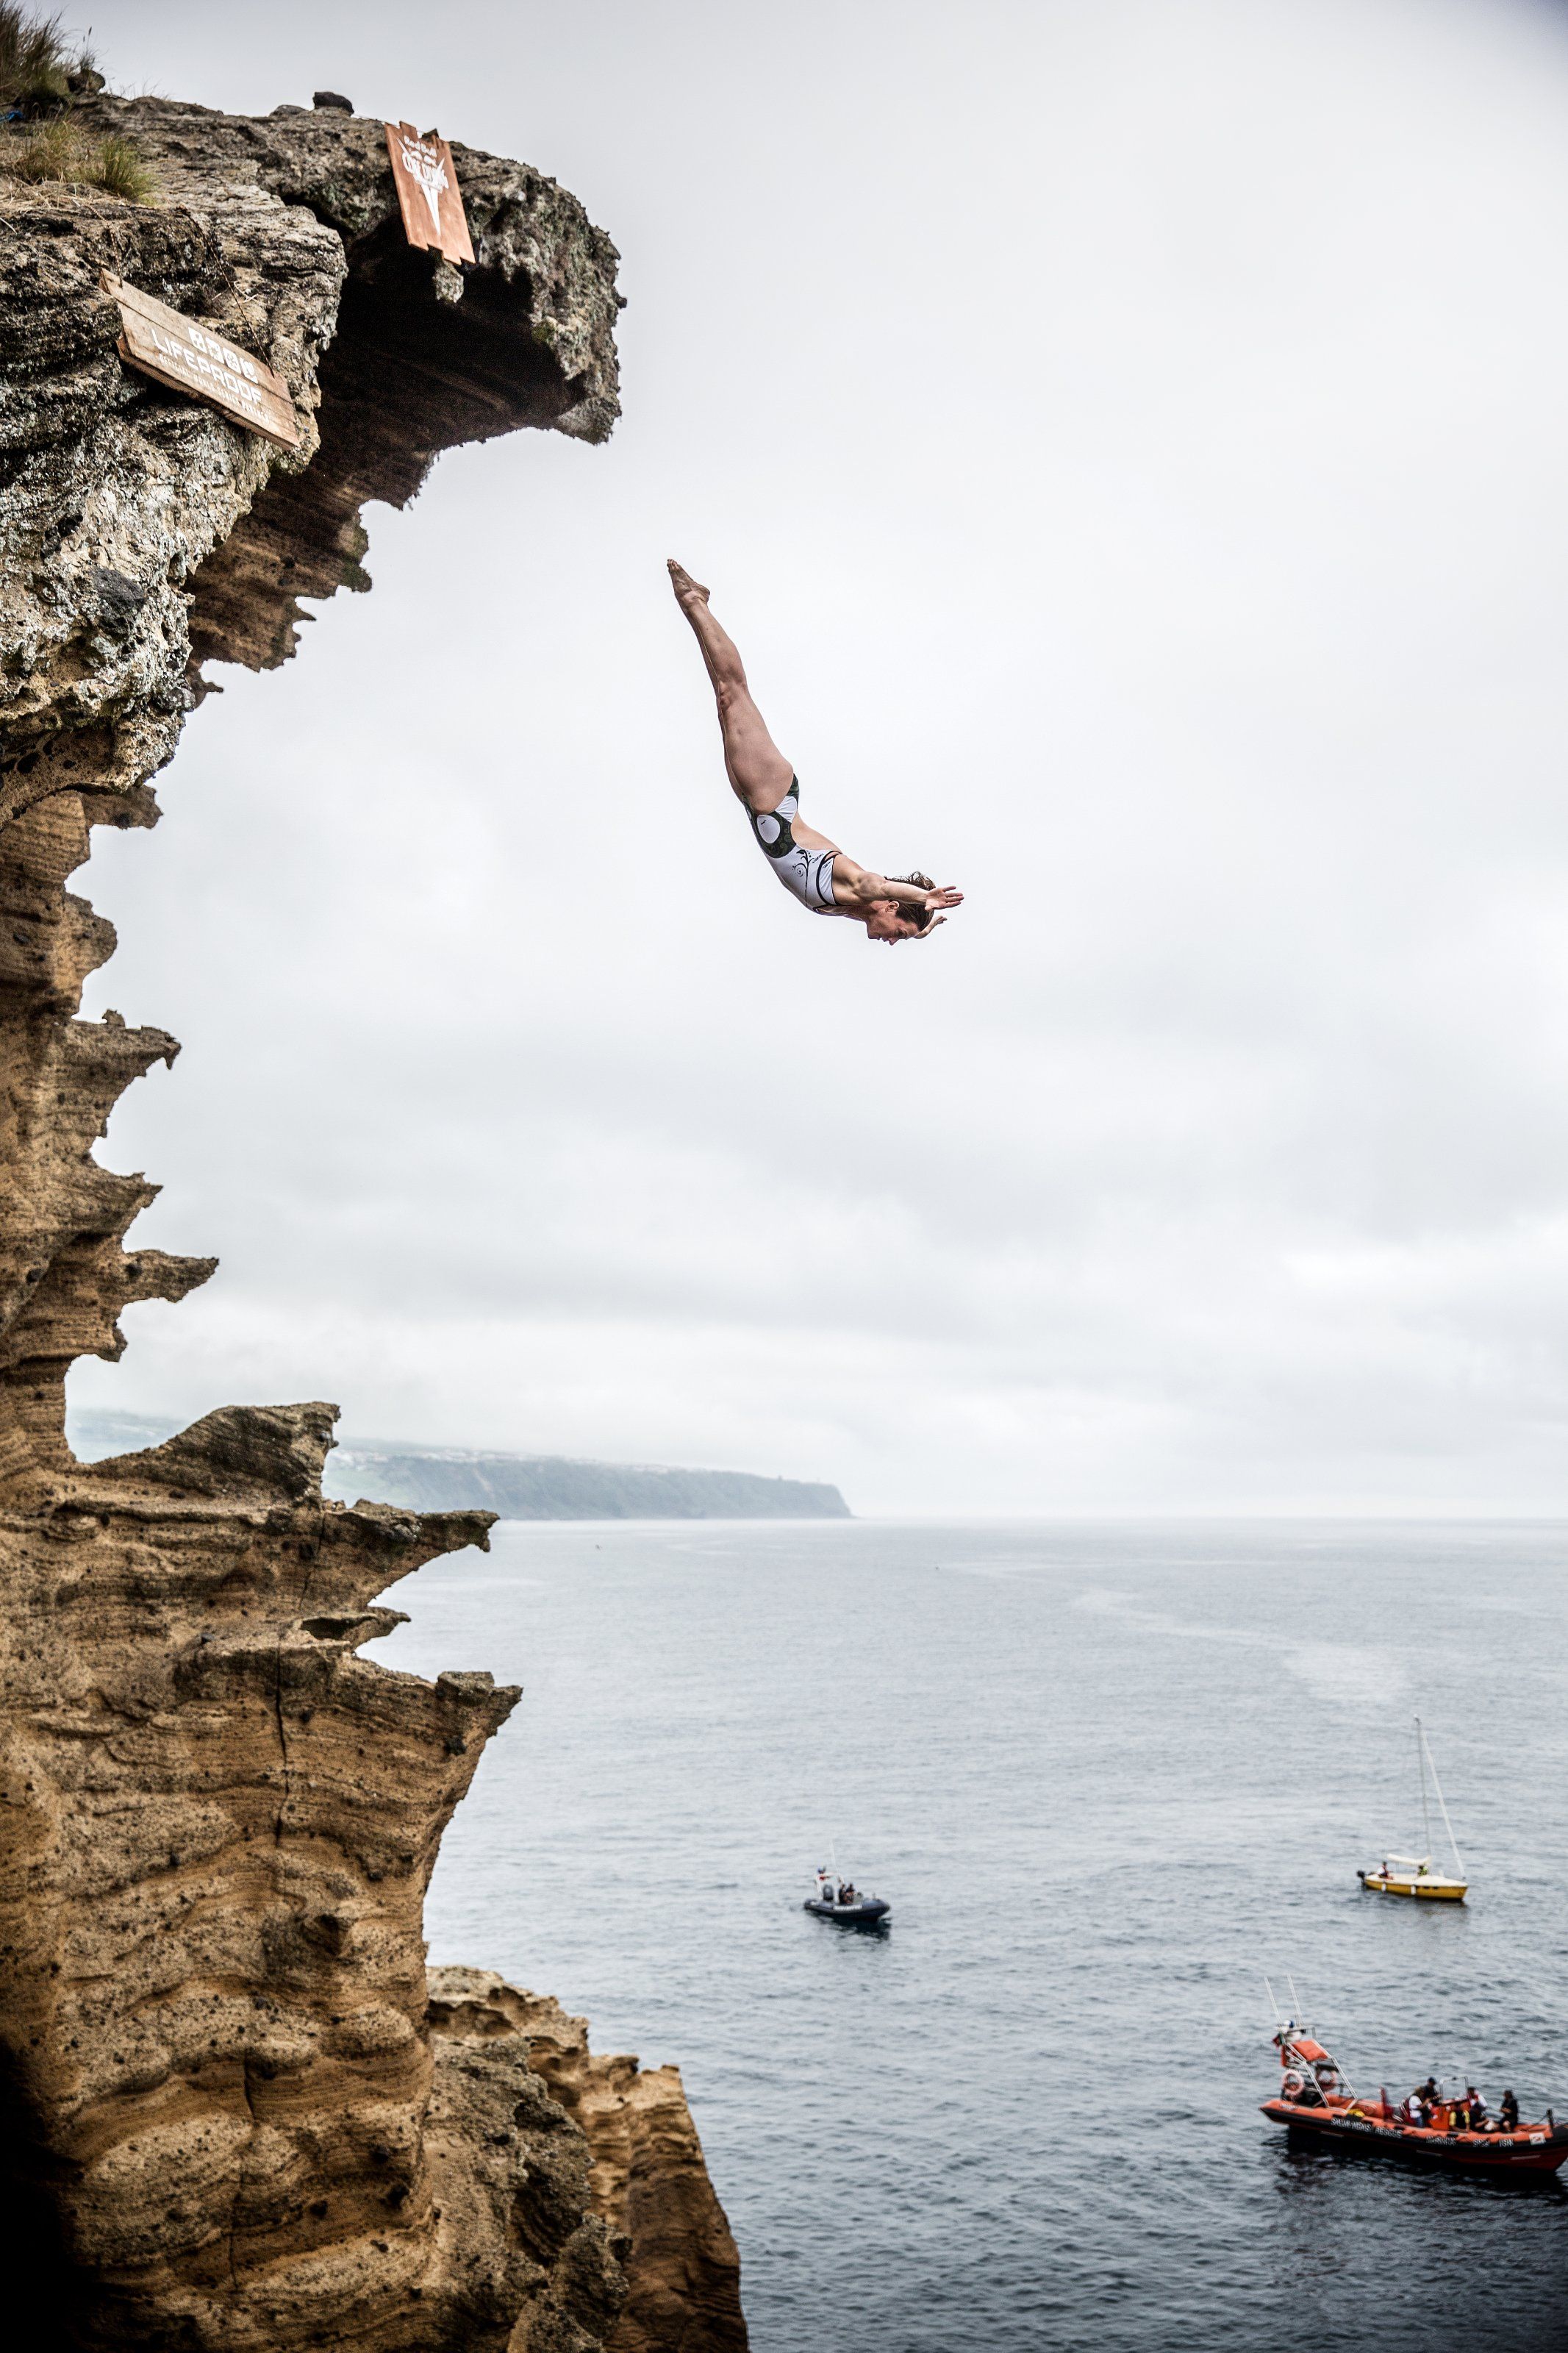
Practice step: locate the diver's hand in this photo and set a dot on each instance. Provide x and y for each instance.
(942, 894)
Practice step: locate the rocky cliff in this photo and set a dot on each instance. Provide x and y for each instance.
(224, 2121)
(647, 2181)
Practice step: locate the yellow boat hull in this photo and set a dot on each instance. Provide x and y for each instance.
(1429, 1890)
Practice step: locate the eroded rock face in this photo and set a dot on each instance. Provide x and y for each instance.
(136, 524)
(648, 2182)
(224, 2123)
(219, 1824)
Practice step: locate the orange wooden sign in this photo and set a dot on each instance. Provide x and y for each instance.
(165, 344)
(428, 191)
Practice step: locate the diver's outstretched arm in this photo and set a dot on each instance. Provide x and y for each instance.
(857, 886)
(757, 768)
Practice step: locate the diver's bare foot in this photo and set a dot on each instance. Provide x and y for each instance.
(686, 590)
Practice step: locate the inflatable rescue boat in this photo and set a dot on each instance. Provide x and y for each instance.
(827, 1901)
(1314, 2098)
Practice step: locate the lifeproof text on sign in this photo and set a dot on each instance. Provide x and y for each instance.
(167, 345)
(427, 192)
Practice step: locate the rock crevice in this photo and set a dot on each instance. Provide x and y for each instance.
(224, 2119)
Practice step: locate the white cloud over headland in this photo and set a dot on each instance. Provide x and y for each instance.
(1127, 443)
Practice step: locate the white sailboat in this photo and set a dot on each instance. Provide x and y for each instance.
(1412, 1874)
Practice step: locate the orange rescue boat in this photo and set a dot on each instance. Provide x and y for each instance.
(1315, 2099)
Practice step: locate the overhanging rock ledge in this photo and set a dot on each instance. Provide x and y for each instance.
(226, 2122)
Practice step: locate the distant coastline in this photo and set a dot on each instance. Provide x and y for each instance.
(518, 1486)
(555, 1487)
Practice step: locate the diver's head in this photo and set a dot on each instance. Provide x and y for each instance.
(897, 919)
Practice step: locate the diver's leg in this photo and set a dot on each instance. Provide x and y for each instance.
(757, 769)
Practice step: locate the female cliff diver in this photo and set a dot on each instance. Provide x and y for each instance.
(820, 874)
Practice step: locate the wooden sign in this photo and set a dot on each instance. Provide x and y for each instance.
(428, 191)
(165, 344)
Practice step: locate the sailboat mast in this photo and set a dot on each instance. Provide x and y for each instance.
(1421, 1766)
(1447, 1825)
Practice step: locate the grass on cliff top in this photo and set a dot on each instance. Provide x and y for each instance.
(37, 72)
(39, 80)
(58, 152)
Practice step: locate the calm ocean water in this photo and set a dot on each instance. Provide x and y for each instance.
(1107, 1775)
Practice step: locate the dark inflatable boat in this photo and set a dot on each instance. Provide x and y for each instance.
(860, 1912)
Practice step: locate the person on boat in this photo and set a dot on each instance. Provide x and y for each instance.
(846, 1892)
(1416, 2110)
(823, 876)
(1475, 2109)
(1508, 2113)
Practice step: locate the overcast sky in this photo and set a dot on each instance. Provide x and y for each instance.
(1129, 439)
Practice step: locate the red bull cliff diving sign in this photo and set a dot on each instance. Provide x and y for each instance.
(175, 351)
(427, 192)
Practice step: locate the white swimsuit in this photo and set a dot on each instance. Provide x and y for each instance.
(809, 873)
